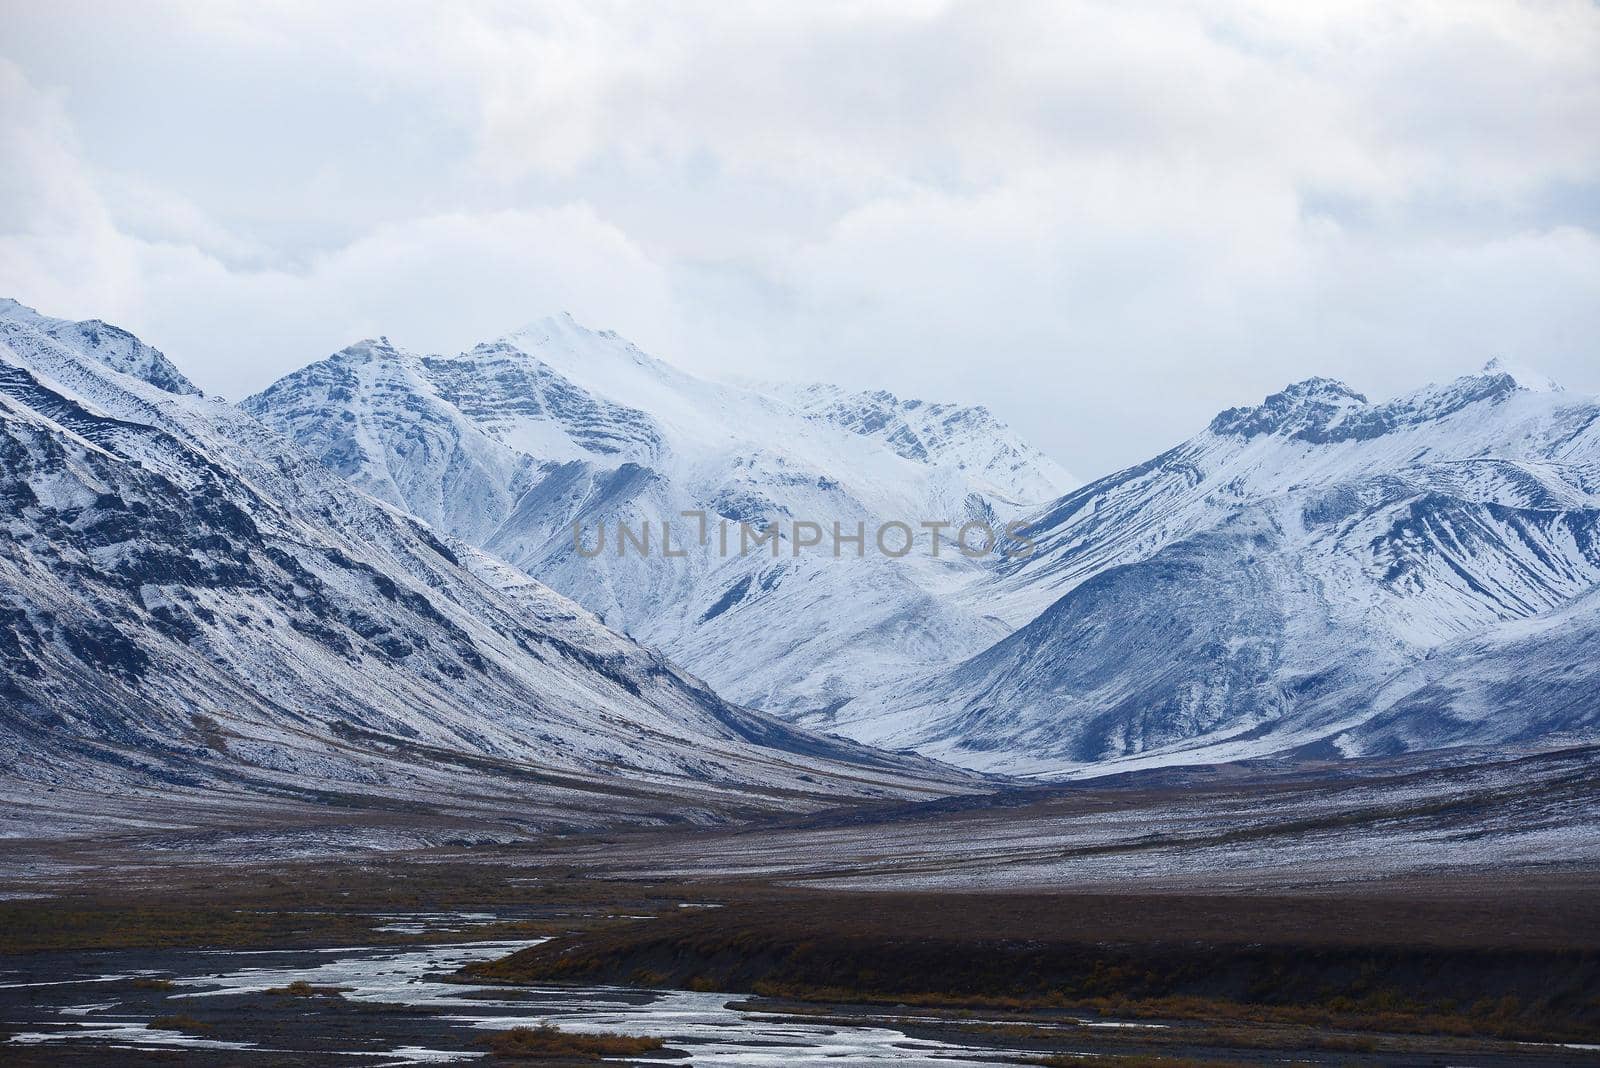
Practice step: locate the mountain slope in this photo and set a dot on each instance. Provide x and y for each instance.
(189, 605)
(1316, 573)
(110, 345)
(514, 444)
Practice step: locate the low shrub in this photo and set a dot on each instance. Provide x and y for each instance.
(549, 1042)
(302, 989)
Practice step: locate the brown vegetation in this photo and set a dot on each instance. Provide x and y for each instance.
(548, 1042)
(1360, 972)
(1134, 1060)
(300, 988)
(1505, 969)
(311, 905)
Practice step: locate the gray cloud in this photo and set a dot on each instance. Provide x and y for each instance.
(1104, 221)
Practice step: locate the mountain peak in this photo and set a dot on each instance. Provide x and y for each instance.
(1324, 388)
(601, 361)
(1308, 406)
(561, 326)
(110, 345)
(1524, 377)
(367, 350)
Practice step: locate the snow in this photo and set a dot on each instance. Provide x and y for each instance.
(1319, 569)
(1525, 377)
(195, 604)
(1277, 582)
(509, 444)
(1318, 574)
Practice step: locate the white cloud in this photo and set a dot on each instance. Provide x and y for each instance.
(167, 271)
(57, 240)
(1105, 220)
(437, 283)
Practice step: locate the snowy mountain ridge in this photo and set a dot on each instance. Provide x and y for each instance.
(190, 605)
(1312, 573)
(1292, 577)
(517, 445)
(1317, 574)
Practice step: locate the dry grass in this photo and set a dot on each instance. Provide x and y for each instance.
(316, 904)
(1480, 969)
(1458, 964)
(300, 988)
(178, 1022)
(28, 927)
(1133, 1060)
(548, 1042)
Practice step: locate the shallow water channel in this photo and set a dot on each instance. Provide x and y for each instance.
(398, 1009)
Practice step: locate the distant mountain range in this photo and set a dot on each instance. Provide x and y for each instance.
(190, 605)
(1317, 574)
(510, 444)
(348, 578)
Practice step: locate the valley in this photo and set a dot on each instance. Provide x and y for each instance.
(1277, 747)
(835, 939)
(899, 534)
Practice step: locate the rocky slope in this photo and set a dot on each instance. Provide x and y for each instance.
(1317, 573)
(513, 443)
(192, 606)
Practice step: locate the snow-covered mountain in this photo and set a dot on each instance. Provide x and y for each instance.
(513, 443)
(1315, 573)
(190, 603)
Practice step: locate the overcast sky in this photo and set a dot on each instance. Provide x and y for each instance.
(1104, 220)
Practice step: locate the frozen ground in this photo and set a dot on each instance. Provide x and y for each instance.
(1233, 828)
